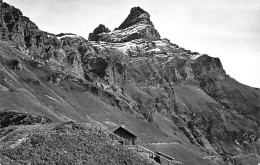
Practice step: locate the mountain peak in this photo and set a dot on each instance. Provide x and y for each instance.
(137, 25)
(138, 11)
(136, 15)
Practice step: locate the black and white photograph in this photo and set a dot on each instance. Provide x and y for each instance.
(129, 82)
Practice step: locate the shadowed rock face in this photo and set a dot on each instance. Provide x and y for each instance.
(137, 15)
(16, 27)
(185, 94)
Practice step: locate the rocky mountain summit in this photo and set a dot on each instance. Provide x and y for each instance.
(137, 15)
(136, 26)
(176, 101)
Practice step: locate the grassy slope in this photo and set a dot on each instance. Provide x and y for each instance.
(65, 143)
(240, 97)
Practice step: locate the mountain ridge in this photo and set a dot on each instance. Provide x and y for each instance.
(130, 73)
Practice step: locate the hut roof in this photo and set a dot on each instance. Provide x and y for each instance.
(119, 129)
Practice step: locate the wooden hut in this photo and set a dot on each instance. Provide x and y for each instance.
(129, 138)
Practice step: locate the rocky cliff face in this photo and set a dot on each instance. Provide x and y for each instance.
(15, 27)
(62, 51)
(185, 95)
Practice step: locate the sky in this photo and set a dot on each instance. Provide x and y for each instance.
(227, 29)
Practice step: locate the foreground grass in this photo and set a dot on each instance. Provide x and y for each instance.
(66, 143)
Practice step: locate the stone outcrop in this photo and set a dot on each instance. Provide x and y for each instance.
(12, 118)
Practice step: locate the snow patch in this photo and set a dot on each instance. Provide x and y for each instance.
(160, 43)
(50, 36)
(154, 50)
(194, 57)
(69, 35)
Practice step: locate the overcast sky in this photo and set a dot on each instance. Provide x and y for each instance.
(228, 29)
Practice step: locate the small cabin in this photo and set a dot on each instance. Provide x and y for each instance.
(129, 138)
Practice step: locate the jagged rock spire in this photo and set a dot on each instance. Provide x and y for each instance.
(136, 15)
